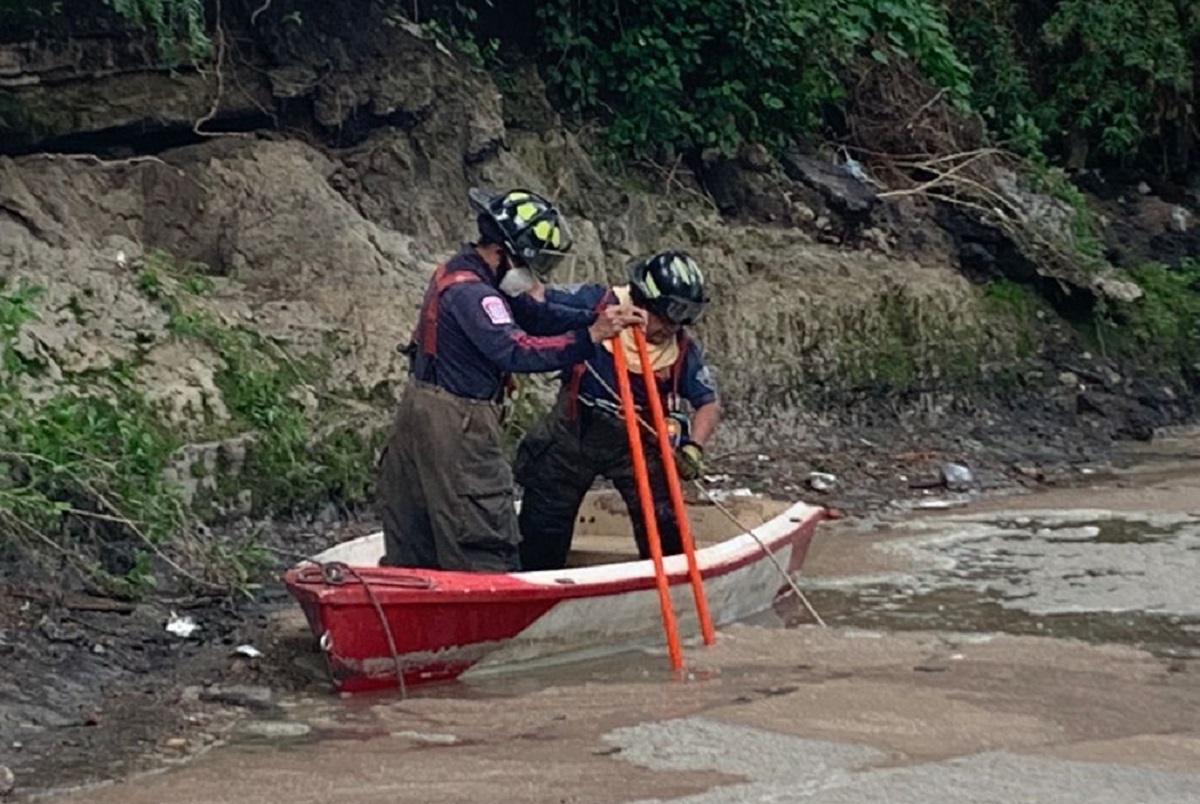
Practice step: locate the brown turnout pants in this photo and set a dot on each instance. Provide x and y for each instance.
(445, 491)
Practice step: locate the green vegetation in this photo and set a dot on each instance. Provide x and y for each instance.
(82, 470)
(1078, 82)
(911, 344)
(178, 26)
(1162, 329)
(84, 462)
(1074, 81)
(1084, 77)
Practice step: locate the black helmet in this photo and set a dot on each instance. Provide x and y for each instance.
(526, 224)
(670, 285)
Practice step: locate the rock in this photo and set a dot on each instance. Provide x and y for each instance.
(842, 192)
(1181, 220)
(756, 157)
(75, 102)
(275, 729)
(1126, 417)
(1143, 188)
(239, 695)
(1121, 290)
(426, 737)
(926, 481)
(724, 181)
(7, 780)
(176, 743)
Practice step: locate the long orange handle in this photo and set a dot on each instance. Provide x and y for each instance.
(621, 369)
(653, 401)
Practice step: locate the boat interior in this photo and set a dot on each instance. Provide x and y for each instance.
(604, 531)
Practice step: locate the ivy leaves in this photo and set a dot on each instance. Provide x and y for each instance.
(678, 75)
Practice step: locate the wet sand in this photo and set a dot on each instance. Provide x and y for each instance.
(802, 715)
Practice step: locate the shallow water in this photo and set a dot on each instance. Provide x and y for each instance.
(1101, 576)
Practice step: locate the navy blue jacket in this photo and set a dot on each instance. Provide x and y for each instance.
(481, 337)
(696, 383)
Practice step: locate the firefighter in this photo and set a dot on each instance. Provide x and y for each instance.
(444, 489)
(583, 436)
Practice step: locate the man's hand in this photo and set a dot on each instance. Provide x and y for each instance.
(689, 461)
(613, 319)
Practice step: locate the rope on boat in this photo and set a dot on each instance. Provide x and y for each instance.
(791, 581)
(720, 507)
(333, 573)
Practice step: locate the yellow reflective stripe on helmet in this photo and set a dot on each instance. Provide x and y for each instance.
(652, 291)
(547, 232)
(685, 270)
(526, 211)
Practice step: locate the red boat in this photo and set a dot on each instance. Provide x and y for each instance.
(376, 625)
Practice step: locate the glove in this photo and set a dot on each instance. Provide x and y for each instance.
(678, 426)
(689, 461)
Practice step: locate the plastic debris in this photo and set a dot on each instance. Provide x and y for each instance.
(182, 627)
(248, 650)
(721, 495)
(821, 481)
(956, 475)
(936, 504)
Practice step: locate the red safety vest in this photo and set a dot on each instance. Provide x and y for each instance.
(425, 333)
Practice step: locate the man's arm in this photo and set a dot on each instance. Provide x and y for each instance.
(488, 322)
(585, 295)
(549, 318)
(699, 387)
(704, 422)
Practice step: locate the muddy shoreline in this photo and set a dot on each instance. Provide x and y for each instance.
(98, 689)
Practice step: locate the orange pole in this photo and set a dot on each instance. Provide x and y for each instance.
(654, 402)
(621, 369)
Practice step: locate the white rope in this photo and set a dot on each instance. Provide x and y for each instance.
(791, 581)
(720, 507)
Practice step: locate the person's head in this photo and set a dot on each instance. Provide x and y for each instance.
(528, 230)
(669, 286)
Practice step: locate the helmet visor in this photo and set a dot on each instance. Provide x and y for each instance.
(682, 311)
(543, 261)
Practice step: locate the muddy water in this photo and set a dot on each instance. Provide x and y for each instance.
(1028, 648)
(1098, 575)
